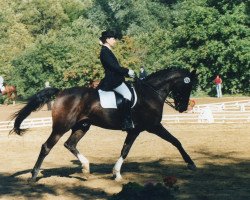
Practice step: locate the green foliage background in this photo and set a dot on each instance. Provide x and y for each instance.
(57, 40)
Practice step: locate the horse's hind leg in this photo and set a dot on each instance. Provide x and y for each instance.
(46, 147)
(164, 134)
(77, 133)
(14, 98)
(131, 136)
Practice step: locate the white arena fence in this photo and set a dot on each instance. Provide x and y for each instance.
(228, 112)
(27, 123)
(208, 118)
(242, 106)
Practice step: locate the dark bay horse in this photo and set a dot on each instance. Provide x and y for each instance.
(10, 91)
(78, 108)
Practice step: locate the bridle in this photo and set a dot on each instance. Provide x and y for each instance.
(171, 104)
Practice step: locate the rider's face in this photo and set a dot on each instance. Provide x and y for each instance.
(111, 41)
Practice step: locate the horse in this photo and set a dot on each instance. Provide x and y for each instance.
(10, 91)
(78, 108)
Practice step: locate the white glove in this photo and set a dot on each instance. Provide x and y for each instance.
(131, 73)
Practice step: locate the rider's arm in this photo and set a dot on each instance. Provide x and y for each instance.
(110, 62)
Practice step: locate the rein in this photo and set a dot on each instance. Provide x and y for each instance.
(158, 94)
(168, 102)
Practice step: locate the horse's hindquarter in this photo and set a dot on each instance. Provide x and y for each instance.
(71, 106)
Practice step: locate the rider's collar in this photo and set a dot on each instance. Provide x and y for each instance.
(108, 46)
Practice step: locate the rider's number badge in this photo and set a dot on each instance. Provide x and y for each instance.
(186, 80)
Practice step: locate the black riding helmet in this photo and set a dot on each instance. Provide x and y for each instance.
(107, 34)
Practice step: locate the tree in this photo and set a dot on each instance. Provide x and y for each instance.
(211, 41)
(41, 16)
(57, 40)
(65, 58)
(14, 38)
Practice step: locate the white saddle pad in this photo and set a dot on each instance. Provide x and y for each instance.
(108, 99)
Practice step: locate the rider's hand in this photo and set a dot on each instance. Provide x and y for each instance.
(131, 73)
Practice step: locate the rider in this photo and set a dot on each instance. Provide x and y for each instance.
(2, 88)
(115, 76)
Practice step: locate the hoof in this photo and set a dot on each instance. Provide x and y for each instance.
(85, 177)
(86, 174)
(191, 167)
(31, 181)
(118, 179)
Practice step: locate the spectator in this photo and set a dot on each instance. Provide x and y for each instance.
(142, 73)
(1, 84)
(218, 82)
(49, 103)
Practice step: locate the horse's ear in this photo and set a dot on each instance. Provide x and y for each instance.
(194, 77)
(193, 74)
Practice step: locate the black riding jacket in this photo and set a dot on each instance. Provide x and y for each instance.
(114, 73)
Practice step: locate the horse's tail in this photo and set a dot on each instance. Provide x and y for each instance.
(34, 103)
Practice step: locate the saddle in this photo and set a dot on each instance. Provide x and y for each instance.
(112, 99)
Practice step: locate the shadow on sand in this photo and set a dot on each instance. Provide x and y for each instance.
(211, 181)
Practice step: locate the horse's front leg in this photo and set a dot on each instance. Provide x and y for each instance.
(131, 136)
(164, 134)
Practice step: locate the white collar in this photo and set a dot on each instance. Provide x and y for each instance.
(107, 46)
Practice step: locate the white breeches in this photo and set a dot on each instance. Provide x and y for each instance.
(124, 91)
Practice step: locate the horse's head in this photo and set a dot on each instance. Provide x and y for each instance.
(173, 82)
(181, 90)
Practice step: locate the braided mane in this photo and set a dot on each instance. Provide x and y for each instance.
(165, 71)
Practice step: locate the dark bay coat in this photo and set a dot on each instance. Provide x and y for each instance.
(114, 73)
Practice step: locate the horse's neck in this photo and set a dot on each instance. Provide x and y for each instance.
(149, 93)
(9, 88)
(161, 86)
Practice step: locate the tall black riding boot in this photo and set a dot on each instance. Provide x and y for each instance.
(127, 118)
